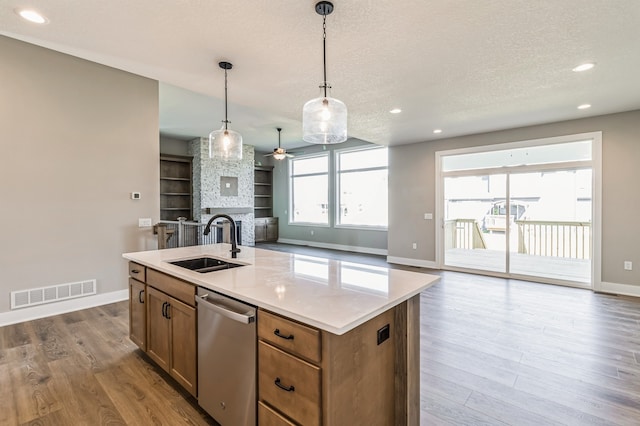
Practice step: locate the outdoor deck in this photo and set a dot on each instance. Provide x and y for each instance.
(559, 268)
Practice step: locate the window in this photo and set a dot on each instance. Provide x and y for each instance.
(362, 177)
(309, 180)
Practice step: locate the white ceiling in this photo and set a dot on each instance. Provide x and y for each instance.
(465, 66)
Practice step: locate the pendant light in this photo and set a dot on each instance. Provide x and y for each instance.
(224, 143)
(324, 119)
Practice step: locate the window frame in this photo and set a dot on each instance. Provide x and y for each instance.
(290, 162)
(337, 176)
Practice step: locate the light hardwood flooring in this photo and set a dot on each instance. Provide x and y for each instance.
(81, 369)
(493, 352)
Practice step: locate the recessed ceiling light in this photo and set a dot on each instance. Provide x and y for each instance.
(395, 111)
(32, 16)
(436, 131)
(584, 67)
(584, 106)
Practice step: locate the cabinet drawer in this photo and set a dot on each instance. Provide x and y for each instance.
(290, 335)
(181, 290)
(268, 417)
(289, 384)
(138, 271)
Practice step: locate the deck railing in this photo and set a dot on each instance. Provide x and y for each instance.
(557, 239)
(463, 233)
(535, 237)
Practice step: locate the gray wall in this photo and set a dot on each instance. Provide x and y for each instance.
(376, 240)
(76, 138)
(172, 146)
(412, 188)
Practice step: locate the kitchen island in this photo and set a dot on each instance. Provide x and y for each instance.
(359, 328)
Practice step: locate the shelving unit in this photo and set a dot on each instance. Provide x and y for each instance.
(175, 187)
(266, 226)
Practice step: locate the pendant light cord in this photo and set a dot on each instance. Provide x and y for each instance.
(225, 100)
(324, 51)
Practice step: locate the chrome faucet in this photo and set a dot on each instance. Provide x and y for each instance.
(234, 243)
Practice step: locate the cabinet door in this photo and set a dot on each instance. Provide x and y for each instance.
(261, 232)
(272, 230)
(137, 314)
(158, 327)
(183, 344)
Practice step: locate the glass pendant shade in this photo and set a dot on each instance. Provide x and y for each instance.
(279, 156)
(225, 144)
(324, 121)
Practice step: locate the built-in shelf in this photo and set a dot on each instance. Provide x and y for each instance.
(175, 178)
(266, 226)
(175, 187)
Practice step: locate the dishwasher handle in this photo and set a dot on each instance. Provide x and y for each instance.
(244, 317)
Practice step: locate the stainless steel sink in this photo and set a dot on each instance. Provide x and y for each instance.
(205, 264)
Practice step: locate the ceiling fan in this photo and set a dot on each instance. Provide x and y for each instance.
(279, 153)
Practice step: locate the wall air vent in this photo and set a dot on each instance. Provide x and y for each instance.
(55, 293)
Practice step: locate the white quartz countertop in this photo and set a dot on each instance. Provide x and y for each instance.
(332, 295)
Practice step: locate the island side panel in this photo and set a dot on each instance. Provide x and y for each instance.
(358, 385)
(407, 362)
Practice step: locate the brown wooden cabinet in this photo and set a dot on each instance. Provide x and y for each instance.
(310, 376)
(162, 322)
(138, 312)
(266, 229)
(171, 327)
(158, 328)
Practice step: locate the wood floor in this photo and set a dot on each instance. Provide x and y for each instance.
(81, 369)
(493, 352)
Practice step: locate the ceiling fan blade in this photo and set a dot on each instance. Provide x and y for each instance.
(268, 155)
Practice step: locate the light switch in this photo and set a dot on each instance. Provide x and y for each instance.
(428, 216)
(144, 222)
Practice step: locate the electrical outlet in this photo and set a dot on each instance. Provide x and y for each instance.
(428, 216)
(144, 222)
(415, 246)
(312, 232)
(628, 265)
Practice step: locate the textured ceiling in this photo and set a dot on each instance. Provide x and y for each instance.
(464, 66)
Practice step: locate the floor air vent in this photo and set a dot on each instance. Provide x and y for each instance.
(54, 293)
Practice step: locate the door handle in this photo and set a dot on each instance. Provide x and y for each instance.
(140, 299)
(282, 336)
(284, 388)
(164, 309)
(167, 316)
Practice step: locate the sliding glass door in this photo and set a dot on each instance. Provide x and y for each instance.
(521, 212)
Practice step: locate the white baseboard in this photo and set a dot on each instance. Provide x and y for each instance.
(356, 249)
(63, 307)
(622, 289)
(412, 262)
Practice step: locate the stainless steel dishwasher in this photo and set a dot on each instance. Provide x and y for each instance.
(226, 358)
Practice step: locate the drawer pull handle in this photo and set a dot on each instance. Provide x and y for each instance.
(140, 299)
(277, 333)
(284, 388)
(135, 271)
